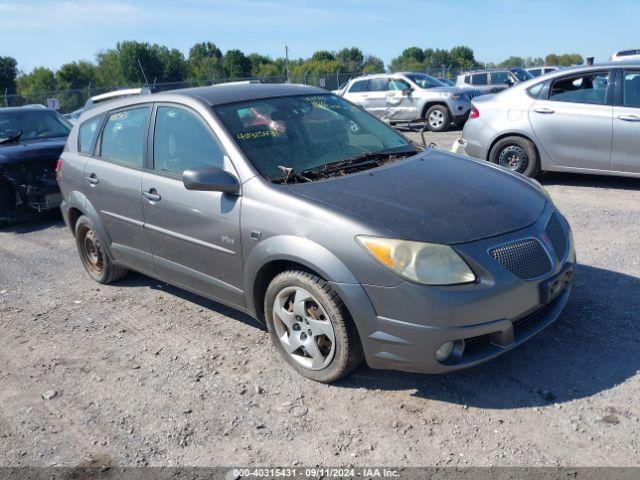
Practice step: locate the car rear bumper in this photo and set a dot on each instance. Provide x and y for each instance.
(406, 324)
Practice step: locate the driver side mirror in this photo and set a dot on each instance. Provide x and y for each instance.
(210, 179)
(509, 82)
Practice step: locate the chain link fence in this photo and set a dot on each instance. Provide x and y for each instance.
(68, 101)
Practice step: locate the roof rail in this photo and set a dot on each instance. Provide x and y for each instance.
(116, 94)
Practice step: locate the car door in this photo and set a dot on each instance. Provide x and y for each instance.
(574, 123)
(375, 101)
(357, 92)
(625, 154)
(194, 235)
(113, 179)
(401, 103)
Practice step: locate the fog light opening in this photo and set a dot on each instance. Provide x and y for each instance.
(450, 349)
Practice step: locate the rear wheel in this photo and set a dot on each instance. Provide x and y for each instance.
(438, 118)
(311, 327)
(92, 254)
(516, 154)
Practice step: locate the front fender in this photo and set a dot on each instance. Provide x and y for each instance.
(294, 249)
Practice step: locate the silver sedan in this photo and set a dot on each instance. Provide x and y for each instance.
(583, 120)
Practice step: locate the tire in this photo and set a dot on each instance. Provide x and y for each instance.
(93, 256)
(437, 118)
(302, 312)
(516, 154)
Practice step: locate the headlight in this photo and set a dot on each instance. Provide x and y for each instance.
(426, 263)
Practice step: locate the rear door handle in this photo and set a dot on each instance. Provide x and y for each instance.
(629, 118)
(544, 110)
(152, 195)
(92, 179)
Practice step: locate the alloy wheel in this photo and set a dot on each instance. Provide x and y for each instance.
(436, 119)
(303, 328)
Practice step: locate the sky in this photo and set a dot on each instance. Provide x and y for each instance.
(52, 32)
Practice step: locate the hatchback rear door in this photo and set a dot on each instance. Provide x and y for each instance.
(574, 122)
(625, 156)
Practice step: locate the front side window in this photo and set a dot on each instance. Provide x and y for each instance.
(182, 142)
(426, 81)
(87, 134)
(360, 86)
(480, 79)
(521, 74)
(396, 84)
(123, 136)
(33, 124)
(632, 89)
(590, 88)
(535, 72)
(305, 132)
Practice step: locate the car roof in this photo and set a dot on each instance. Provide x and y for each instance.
(239, 92)
(24, 109)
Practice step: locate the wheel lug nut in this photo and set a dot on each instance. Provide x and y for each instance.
(298, 318)
(306, 321)
(296, 327)
(309, 332)
(303, 336)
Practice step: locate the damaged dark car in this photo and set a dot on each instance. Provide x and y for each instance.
(31, 141)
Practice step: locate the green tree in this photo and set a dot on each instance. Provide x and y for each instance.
(36, 86)
(259, 64)
(436, 58)
(174, 66)
(134, 58)
(372, 64)
(205, 62)
(236, 64)
(72, 81)
(513, 61)
(107, 69)
(462, 57)
(323, 56)
(351, 59)
(8, 74)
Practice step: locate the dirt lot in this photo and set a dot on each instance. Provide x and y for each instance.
(140, 373)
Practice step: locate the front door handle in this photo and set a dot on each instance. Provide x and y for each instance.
(544, 110)
(629, 118)
(93, 179)
(152, 195)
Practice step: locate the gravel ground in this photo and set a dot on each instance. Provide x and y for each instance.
(141, 373)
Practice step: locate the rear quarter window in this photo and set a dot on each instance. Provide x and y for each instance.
(87, 134)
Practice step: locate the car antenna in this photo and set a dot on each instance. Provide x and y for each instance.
(143, 74)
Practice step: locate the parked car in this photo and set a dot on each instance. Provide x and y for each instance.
(348, 244)
(583, 120)
(31, 141)
(537, 71)
(409, 96)
(493, 80)
(446, 81)
(626, 55)
(73, 117)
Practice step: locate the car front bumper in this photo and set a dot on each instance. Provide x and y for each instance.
(408, 323)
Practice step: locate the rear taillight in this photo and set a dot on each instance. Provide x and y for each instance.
(475, 113)
(58, 169)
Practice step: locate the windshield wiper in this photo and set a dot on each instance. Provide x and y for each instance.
(364, 158)
(11, 138)
(289, 173)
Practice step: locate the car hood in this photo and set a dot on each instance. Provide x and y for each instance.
(30, 150)
(433, 197)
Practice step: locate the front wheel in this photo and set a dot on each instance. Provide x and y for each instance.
(311, 327)
(92, 254)
(438, 118)
(516, 154)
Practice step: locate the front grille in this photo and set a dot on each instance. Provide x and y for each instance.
(557, 236)
(525, 258)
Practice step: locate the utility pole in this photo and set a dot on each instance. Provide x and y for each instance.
(286, 62)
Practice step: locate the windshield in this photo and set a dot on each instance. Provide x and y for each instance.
(306, 132)
(33, 124)
(424, 81)
(522, 74)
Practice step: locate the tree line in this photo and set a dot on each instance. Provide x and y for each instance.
(139, 63)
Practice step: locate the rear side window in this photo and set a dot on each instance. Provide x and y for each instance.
(181, 142)
(378, 84)
(590, 88)
(87, 134)
(632, 89)
(360, 86)
(499, 78)
(480, 79)
(123, 136)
